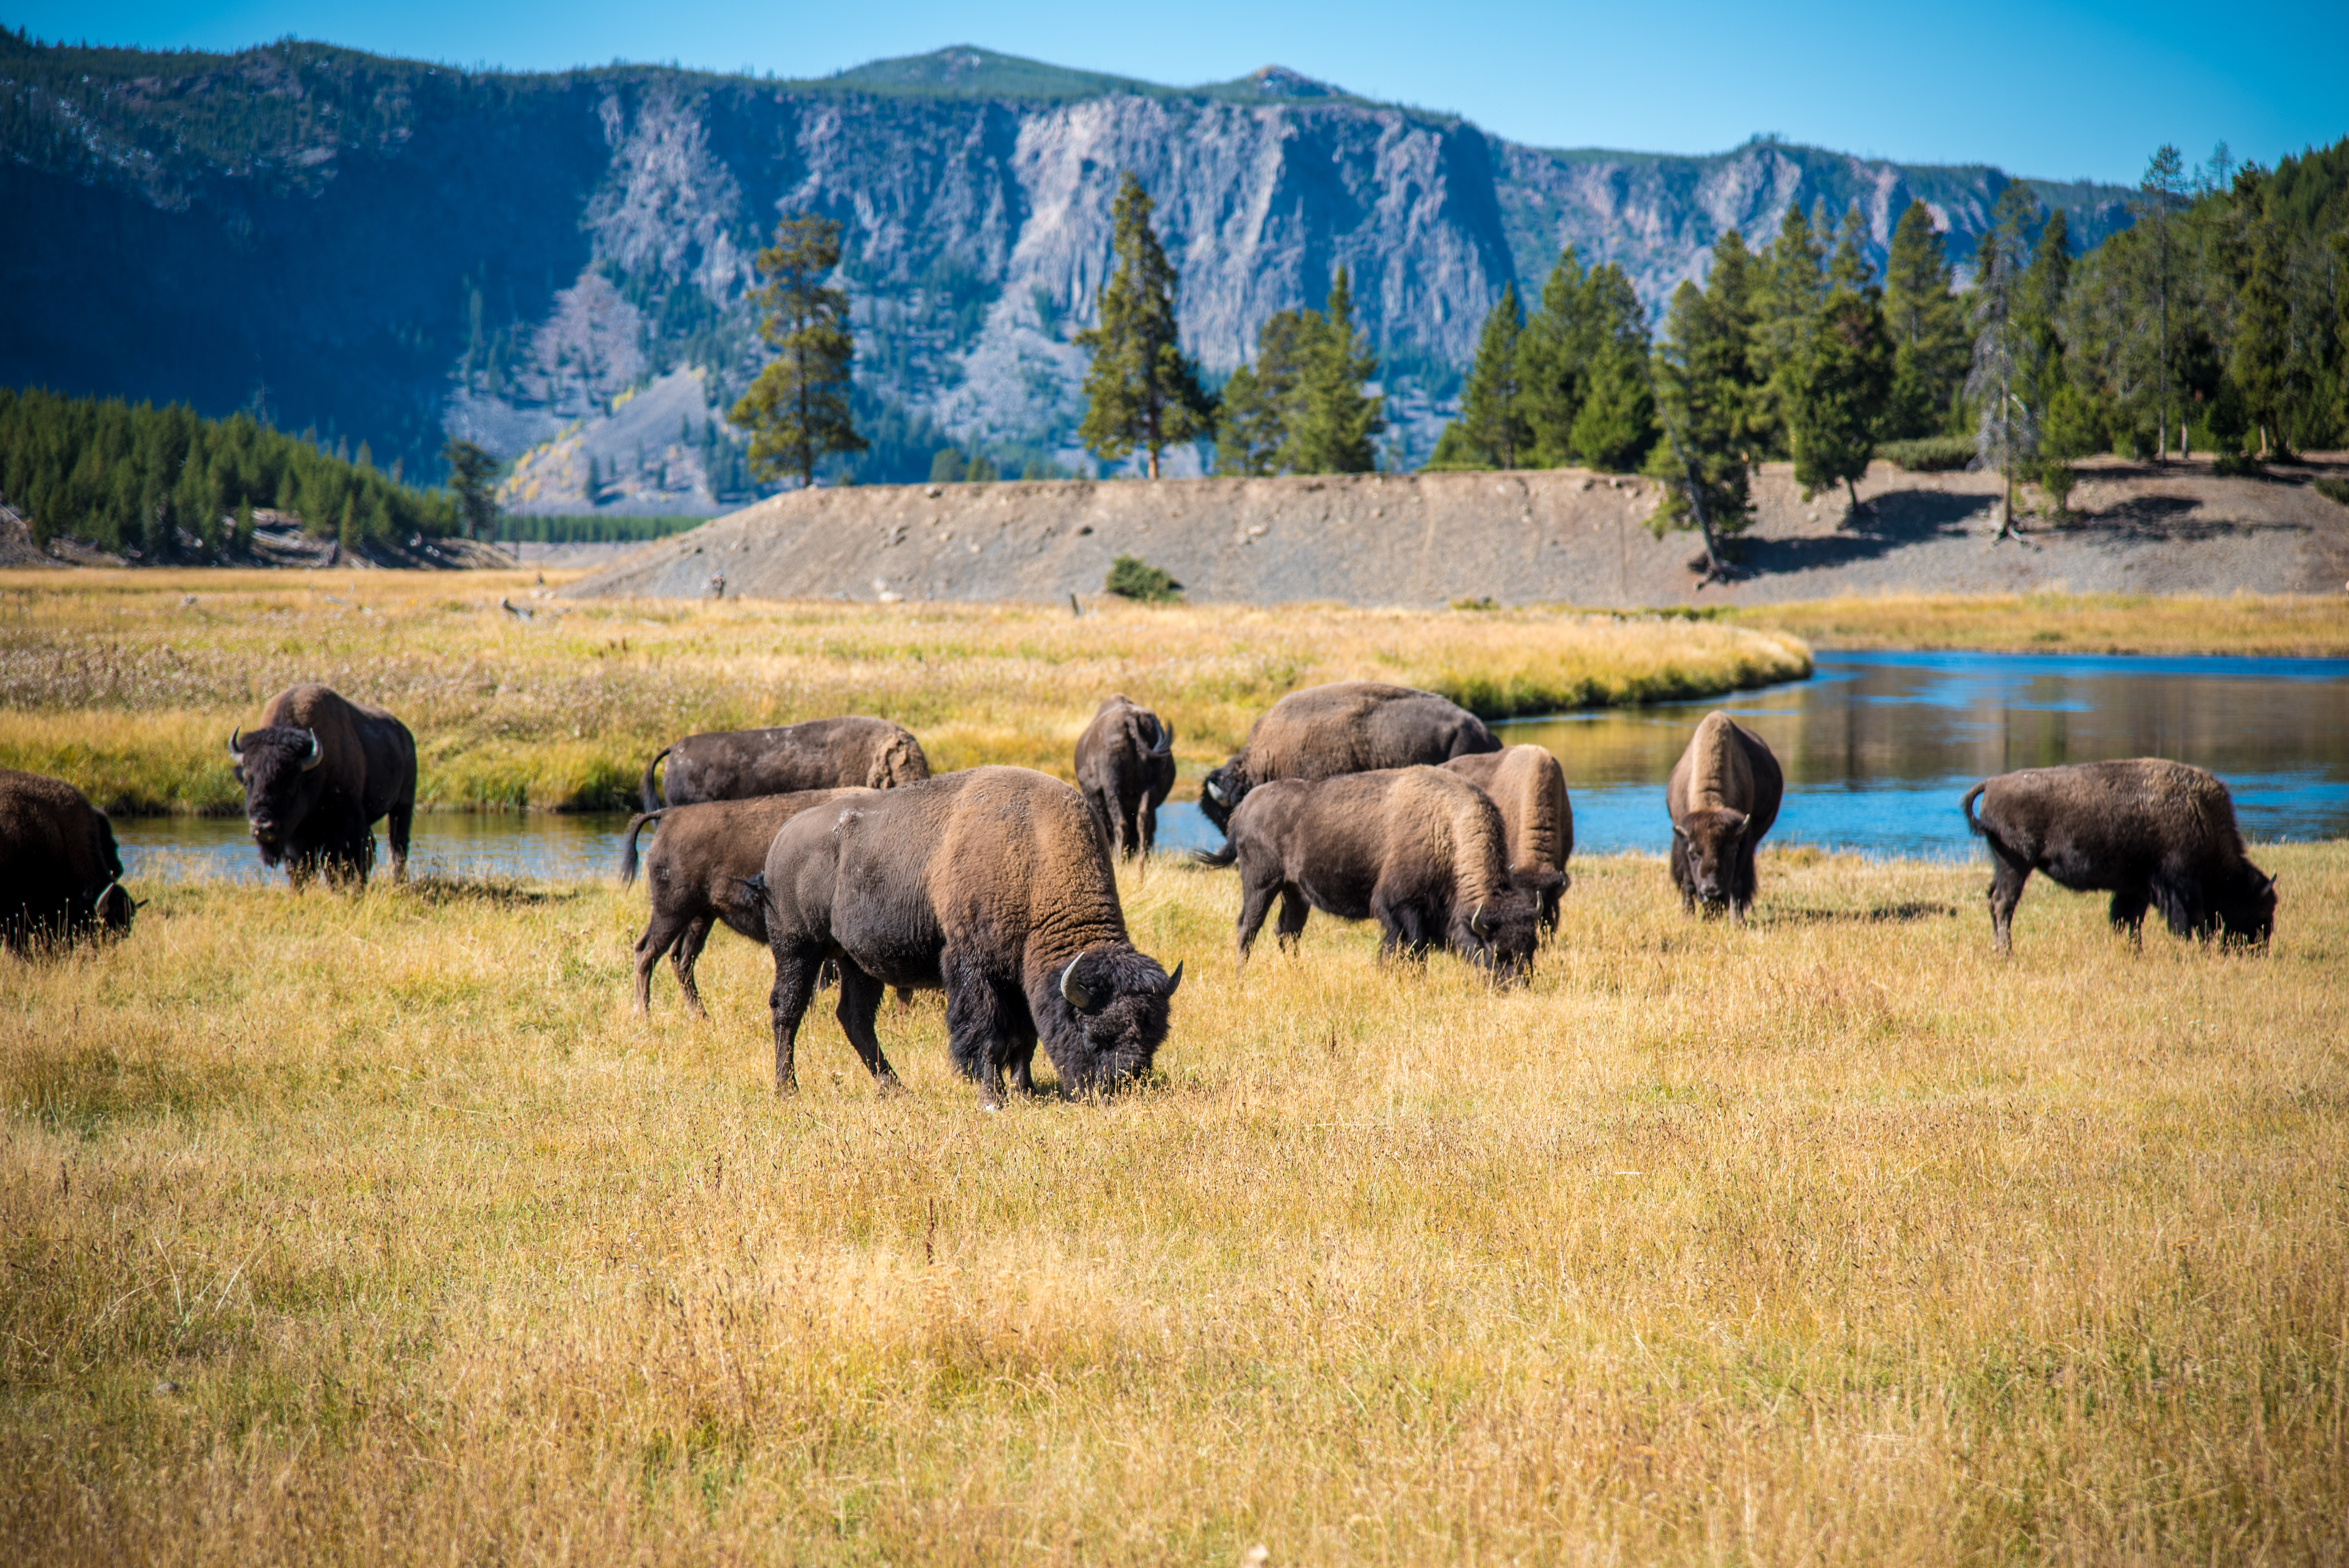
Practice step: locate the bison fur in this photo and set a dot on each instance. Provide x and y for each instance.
(1723, 795)
(1125, 765)
(821, 753)
(318, 772)
(1346, 727)
(1530, 789)
(60, 872)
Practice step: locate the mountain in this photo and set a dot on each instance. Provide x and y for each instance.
(390, 249)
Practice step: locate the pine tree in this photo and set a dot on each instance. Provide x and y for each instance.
(1700, 389)
(1844, 376)
(1792, 290)
(797, 411)
(470, 468)
(1250, 428)
(1928, 326)
(2261, 361)
(1140, 390)
(1730, 286)
(1492, 420)
(1337, 421)
(2159, 196)
(2001, 385)
(1554, 355)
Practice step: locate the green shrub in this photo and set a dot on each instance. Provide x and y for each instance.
(1927, 454)
(2057, 478)
(2334, 490)
(1131, 577)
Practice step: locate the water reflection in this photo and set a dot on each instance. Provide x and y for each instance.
(446, 844)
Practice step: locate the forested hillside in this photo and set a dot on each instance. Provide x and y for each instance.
(395, 252)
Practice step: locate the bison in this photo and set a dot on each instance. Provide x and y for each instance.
(1125, 765)
(990, 884)
(697, 872)
(2148, 832)
(821, 753)
(1346, 727)
(1723, 795)
(317, 773)
(1420, 850)
(1529, 787)
(60, 873)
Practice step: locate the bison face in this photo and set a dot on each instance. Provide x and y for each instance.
(1501, 934)
(1711, 842)
(279, 769)
(1219, 793)
(1116, 1010)
(1546, 887)
(2247, 911)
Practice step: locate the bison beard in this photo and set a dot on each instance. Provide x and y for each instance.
(1346, 727)
(317, 774)
(990, 884)
(2151, 832)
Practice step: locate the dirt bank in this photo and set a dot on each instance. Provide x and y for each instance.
(1556, 536)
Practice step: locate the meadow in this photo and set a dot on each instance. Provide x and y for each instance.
(2244, 624)
(128, 682)
(375, 1228)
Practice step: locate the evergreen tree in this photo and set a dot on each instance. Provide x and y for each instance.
(1844, 377)
(2262, 363)
(1249, 428)
(1615, 429)
(1700, 388)
(2001, 385)
(1335, 422)
(1928, 326)
(1792, 288)
(1583, 370)
(1554, 354)
(1141, 391)
(2158, 197)
(1492, 423)
(1731, 287)
(797, 411)
(470, 469)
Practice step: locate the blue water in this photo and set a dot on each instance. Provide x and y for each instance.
(1878, 750)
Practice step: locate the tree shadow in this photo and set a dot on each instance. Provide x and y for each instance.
(1878, 914)
(505, 892)
(2163, 518)
(1893, 521)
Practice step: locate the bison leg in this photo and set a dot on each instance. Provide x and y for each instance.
(660, 932)
(403, 817)
(860, 1002)
(1294, 911)
(1256, 903)
(685, 952)
(1742, 883)
(1146, 818)
(2006, 879)
(2126, 913)
(795, 970)
(983, 1026)
(1684, 878)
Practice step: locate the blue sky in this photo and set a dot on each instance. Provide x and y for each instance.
(2056, 90)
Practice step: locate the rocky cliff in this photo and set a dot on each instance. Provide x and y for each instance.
(390, 251)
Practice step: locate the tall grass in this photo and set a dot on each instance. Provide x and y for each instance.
(128, 683)
(342, 1228)
(2239, 624)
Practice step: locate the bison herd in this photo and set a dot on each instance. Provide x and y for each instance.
(831, 843)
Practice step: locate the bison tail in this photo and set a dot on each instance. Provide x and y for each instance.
(629, 846)
(1974, 823)
(650, 789)
(1217, 857)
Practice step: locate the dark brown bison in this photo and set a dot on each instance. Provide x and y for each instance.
(1125, 764)
(60, 873)
(821, 753)
(1420, 850)
(1723, 795)
(697, 872)
(317, 773)
(1346, 727)
(990, 884)
(2149, 832)
(1529, 787)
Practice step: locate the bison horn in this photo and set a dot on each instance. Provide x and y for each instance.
(236, 741)
(1476, 921)
(1166, 741)
(1175, 980)
(1074, 995)
(316, 755)
(1216, 793)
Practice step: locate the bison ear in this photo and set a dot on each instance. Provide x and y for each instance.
(1074, 995)
(316, 755)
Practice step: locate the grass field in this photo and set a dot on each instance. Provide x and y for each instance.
(127, 683)
(2241, 623)
(373, 1228)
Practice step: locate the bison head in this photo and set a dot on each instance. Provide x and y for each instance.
(1711, 839)
(1546, 887)
(279, 769)
(2246, 908)
(1500, 933)
(1114, 1020)
(1221, 792)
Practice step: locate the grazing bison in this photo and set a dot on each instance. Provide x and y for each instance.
(1723, 796)
(698, 869)
(1420, 850)
(60, 874)
(2147, 831)
(1529, 787)
(1346, 727)
(821, 753)
(317, 773)
(1125, 764)
(990, 884)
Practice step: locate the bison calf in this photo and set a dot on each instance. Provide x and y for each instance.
(1346, 727)
(317, 774)
(1529, 788)
(1723, 795)
(699, 870)
(1420, 850)
(2152, 833)
(60, 873)
(821, 753)
(1125, 765)
(990, 884)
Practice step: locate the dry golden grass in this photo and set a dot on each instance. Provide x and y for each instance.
(373, 1228)
(2281, 625)
(126, 683)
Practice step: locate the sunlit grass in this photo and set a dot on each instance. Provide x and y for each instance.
(2241, 623)
(374, 1227)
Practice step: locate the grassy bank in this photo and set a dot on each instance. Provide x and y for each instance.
(128, 682)
(373, 1228)
(2241, 624)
